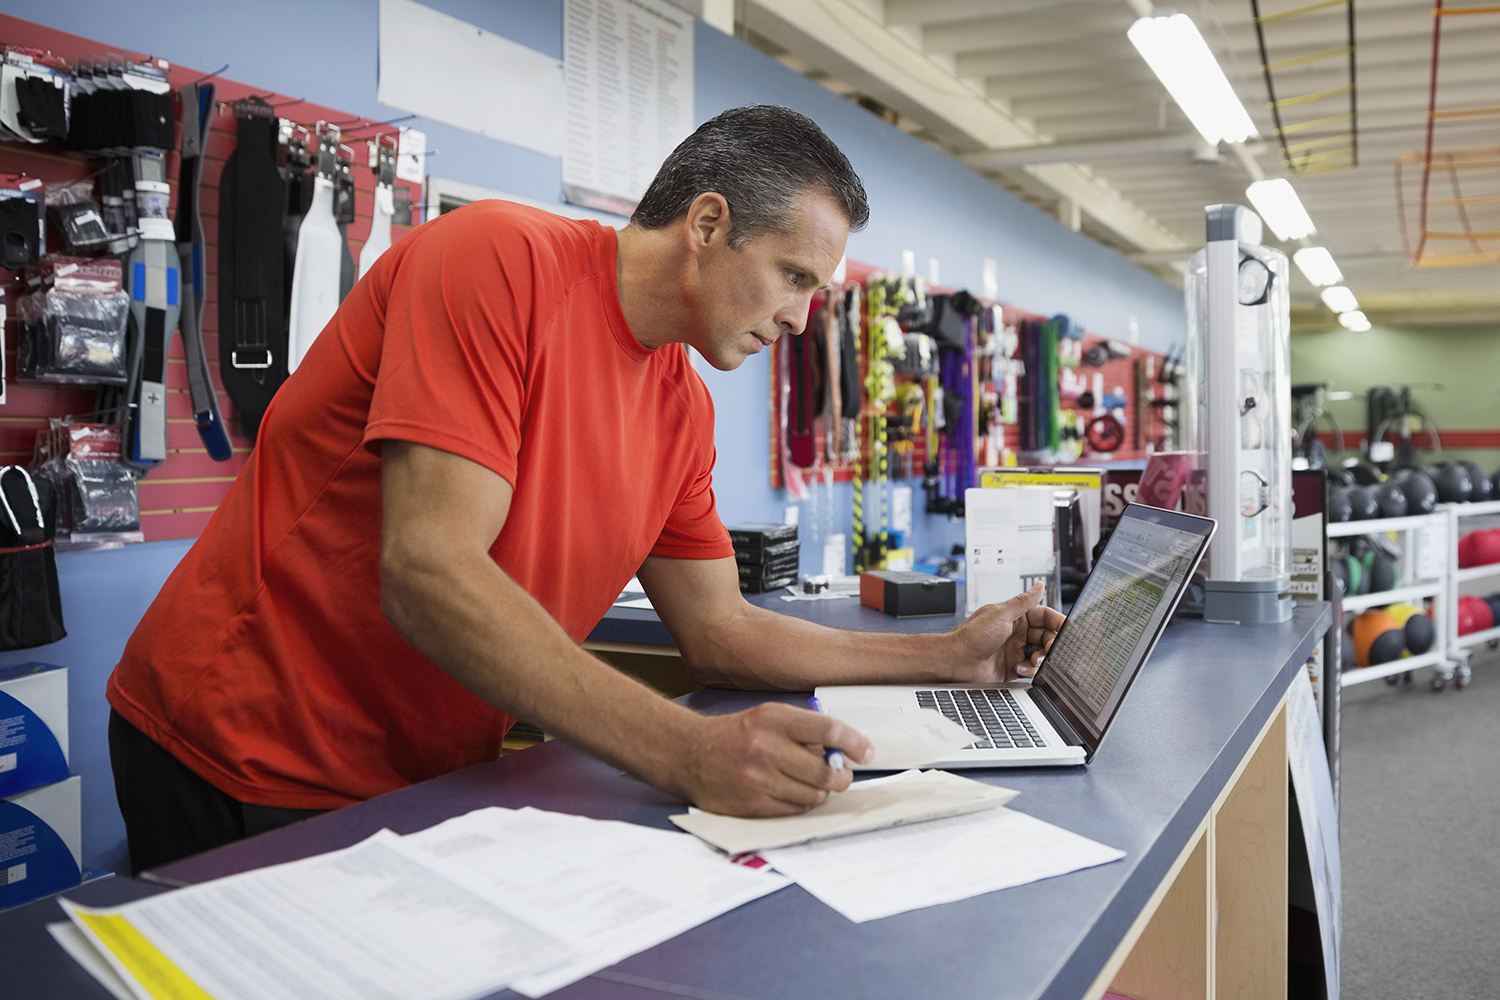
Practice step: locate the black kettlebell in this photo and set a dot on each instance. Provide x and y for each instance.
(1364, 474)
(1341, 476)
(1362, 504)
(1452, 482)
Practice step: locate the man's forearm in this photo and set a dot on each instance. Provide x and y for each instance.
(756, 649)
(492, 637)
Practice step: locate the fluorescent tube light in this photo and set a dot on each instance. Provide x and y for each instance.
(1340, 299)
(1177, 54)
(1317, 265)
(1354, 320)
(1278, 204)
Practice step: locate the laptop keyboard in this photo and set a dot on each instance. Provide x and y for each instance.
(989, 713)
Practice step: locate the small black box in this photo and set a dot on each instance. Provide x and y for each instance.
(774, 569)
(906, 594)
(768, 553)
(767, 584)
(752, 539)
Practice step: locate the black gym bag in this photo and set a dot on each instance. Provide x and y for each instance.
(30, 605)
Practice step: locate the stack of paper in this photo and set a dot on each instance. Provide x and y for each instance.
(499, 898)
(870, 805)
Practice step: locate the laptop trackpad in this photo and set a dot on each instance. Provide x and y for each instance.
(865, 719)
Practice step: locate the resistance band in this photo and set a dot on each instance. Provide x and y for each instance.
(197, 109)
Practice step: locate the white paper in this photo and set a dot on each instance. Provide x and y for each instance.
(915, 739)
(1314, 785)
(879, 874)
(915, 797)
(375, 919)
(450, 71)
(629, 72)
(608, 889)
(639, 602)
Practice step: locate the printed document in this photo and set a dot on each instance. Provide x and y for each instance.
(378, 919)
(890, 871)
(608, 889)
(912, 797)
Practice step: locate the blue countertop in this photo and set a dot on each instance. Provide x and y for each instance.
(1191, 717)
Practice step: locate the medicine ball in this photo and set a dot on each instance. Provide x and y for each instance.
(1494, 602)
(1362, 505)
(1452, 482)
(1342, 477)
(1340, 576)
(1484, 548)
(1377, 639)
(1480, 488)
(1339, 510)
(1364, 474)
(1495, 485)
(1382, 573)
(1357, 572)
(1421, 495)
(1474, 615)
(1346, 652)
(1417, 626)
(1391, 499)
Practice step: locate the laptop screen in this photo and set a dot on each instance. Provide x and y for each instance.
(1120, 613)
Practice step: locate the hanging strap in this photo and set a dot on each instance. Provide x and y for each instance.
(197, 106)
(153, 278)
(252, 312)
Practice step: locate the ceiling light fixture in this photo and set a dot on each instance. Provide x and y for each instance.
(1340, 299)
(1278, 204)
(1177, 54)
(1354, 320)
(1317, 266)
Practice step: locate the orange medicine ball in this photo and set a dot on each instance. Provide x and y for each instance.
(1378, 638)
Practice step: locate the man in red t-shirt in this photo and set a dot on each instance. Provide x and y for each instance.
(496, 430)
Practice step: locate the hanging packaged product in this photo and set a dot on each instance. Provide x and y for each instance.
(383, 162)
(77, 217)
(99, 504)
(320, 251)
(73, 323)
(30, 605)
(33, 97)
(23, 222)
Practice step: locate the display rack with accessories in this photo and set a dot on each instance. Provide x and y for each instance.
(88, 195)
(72, 322)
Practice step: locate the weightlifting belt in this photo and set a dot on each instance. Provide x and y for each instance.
(252, 310)
(320, 251)
(197, 107)
(379, 240)
(153, 280)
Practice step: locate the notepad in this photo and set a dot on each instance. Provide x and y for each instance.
(913, 797)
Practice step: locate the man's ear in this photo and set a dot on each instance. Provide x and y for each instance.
(708, 222)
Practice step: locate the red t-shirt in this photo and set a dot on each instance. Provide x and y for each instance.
(494, 333)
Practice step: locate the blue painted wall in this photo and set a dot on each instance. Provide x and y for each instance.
(921, 200)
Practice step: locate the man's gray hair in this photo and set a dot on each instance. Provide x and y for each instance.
(760, 159)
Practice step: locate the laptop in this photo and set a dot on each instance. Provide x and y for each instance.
(1061, 717)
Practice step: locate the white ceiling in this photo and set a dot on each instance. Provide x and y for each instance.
(976, 76)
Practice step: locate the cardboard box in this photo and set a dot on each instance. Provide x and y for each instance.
(41, 842)
(33, 726)
(907, 594)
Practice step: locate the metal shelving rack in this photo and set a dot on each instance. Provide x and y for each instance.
(1439, 588)
(1459, 646)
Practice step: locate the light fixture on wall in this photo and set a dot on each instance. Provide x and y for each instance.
(1354, 320)
(1339, 299)
(1177, 54)
(1278, 204)
(1317, 266)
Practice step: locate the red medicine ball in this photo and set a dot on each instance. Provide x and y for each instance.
(1474, 615)
(1485, 548)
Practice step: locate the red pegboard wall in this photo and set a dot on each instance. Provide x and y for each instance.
(178, 497)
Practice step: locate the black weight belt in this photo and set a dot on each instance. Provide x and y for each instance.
(252, 309)
(197, 108)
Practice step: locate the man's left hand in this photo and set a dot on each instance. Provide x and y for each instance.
(991, 646)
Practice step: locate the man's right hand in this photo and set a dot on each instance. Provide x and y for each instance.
(767, 761)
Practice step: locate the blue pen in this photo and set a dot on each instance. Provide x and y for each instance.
(835, 758)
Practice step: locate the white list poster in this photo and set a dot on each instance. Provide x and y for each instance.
(628, 69)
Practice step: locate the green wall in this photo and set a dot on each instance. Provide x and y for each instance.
(1464, 360)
